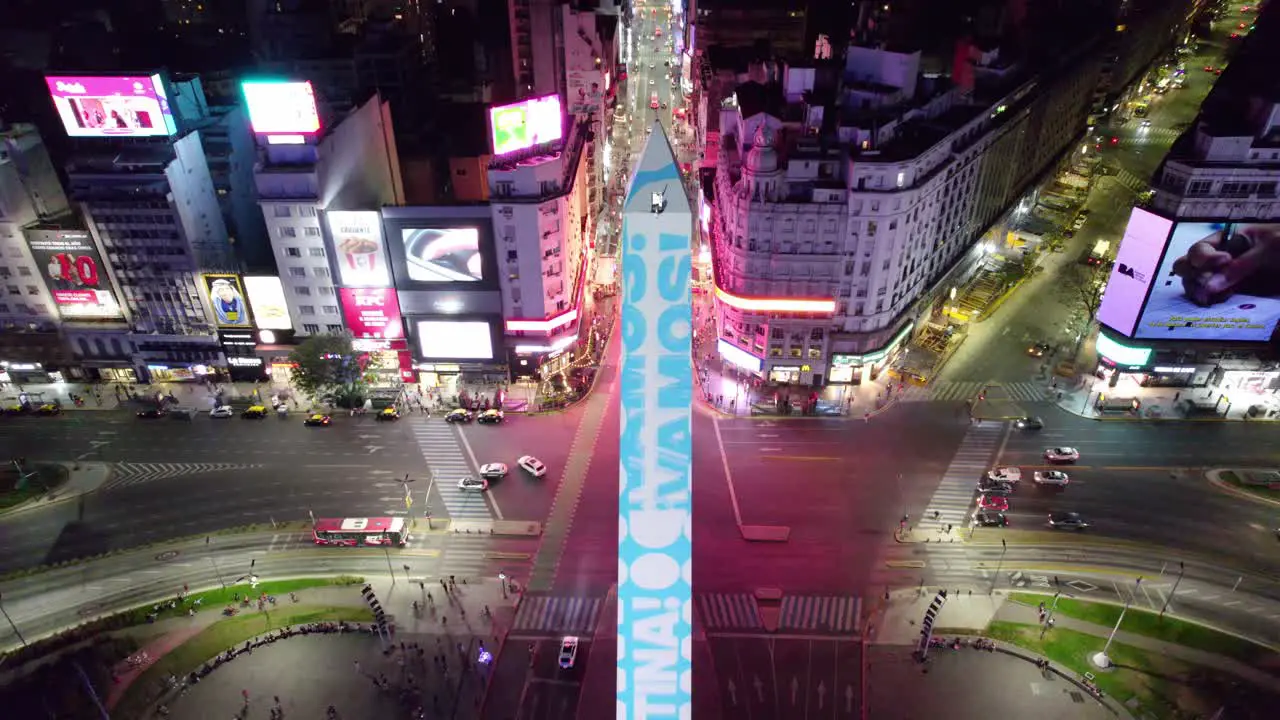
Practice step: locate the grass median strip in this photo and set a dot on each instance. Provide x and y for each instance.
(1232, 478)
(212, 599)
(223, 635)
(1149, 624)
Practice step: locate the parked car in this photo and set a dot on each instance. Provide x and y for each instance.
(458, 415)
(151, 414)
(490, 417)
(317, 420)
(389, 413)
(254, 412)
(222, 411)
(48, 409)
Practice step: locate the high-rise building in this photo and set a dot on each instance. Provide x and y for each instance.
(543, 225)
(829, 247)
(30, 195)
(348, 163)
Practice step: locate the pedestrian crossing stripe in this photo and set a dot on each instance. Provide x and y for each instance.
(953, 500)
(129, 474)
(557, 614)
(958, 391)
(438, 442)
(841, 615)
(724, 611)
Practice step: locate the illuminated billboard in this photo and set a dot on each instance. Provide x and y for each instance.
(1135, 268)
(112, 106)
(74, 273)
(226, 300)
(1122, 355)
(527, 123)
(655, 509)
(1217, 281)
(266, 300)
(739, 357)
(281, 106)
(442, 254)
(371, 313)
(358, 249)
(454, 340)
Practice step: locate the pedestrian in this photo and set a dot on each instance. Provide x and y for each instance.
(1177, 395)
(245, 693)
(357, 664)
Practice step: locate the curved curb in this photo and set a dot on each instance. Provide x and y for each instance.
(1161, 419)
(1215, 478)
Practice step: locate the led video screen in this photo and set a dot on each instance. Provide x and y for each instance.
(440, 255)
(112, 106)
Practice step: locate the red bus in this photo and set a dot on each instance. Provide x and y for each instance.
(352, 532)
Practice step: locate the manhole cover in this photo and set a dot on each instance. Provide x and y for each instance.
(167, 555)
(1081, 586)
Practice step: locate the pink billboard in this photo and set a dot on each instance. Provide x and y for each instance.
(1134, 270)
(371, 313)
(522, 125)
(121, 106)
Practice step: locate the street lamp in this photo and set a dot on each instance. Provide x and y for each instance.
(1182, 568)
(502, 578)
(1004, 547)
(15, 627)
(1100, 658)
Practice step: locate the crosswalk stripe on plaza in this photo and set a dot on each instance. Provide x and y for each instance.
(957, 391)
(557, 614)
(438, 441)
(1131, 181)
(953, 500)
(729, 611)
(841, 615)
(129, 474)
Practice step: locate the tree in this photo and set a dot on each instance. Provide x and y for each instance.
(327, 368)
(1081, 288)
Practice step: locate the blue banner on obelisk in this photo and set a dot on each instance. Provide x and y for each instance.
(655, 505)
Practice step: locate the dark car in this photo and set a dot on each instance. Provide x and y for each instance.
(151, 414)
(1067, 521)
(1039, 349)
(1029, 423)
(317, 420)
(490, 417)
(458, 415)
(986, 486)
(990, 518)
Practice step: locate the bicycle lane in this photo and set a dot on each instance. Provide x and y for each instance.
(182, 630)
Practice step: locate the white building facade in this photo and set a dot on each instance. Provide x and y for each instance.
(543, 225)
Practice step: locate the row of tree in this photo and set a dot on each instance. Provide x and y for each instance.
(330, 370)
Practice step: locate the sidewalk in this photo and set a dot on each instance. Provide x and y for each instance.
(1027, 615)
(82, 479)
(1079, 397)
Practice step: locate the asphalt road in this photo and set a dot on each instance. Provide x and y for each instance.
(174, 479)
(529, 678)
(761, 678)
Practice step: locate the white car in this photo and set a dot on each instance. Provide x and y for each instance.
(568, 651)
(222, 411)
(652, 81)
(1062, 454)
(1006, 475)
(493, 471)
(1055, 478)
(532, 465)
(470, 484)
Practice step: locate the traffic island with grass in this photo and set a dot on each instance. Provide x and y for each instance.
(18, 485)
(1264, 484)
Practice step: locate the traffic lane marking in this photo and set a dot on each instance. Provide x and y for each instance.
(792, 663)
(803, 458)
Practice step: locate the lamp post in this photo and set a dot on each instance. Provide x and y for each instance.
(1049, 620)
(1100, 658)
(214, 563)
(502, 578)
(1182, 568)
(12, 625)
(1004, 547)
(387, 551)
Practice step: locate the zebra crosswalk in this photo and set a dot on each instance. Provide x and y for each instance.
(125, 475)
(1131, 181)
(838, 615)
(729, 611)
(956, 391)
(438, 441)
(557, 614)
(953, 500)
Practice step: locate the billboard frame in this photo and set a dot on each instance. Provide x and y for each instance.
(498, 349)
(394, 226)
(168, 120)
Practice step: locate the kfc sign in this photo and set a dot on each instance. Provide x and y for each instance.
(371, 313)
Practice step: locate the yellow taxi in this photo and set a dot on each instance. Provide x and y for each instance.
(255, 411)
(48, 409)
(389, 413)
(317, 420)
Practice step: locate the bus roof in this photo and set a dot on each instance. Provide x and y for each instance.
(377, 524)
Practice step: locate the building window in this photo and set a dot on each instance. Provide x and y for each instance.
(292, 252)
(330, 309)
(33, 290)
(282, 211)
(298, 272)
(320, 272)
(310, 327)
(13, 289)
(317, 252)
(334, 328)
(4, 308)
(24, 271)
(326, 290)
(306, 211)
(816, 334)
(302, 290)
(306, 309)
(311, 231)
(288, 231)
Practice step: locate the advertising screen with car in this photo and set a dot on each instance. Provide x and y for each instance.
(1134, 269)
(442, 255)
(1217, 281)
(74, 273)
(112, 106)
